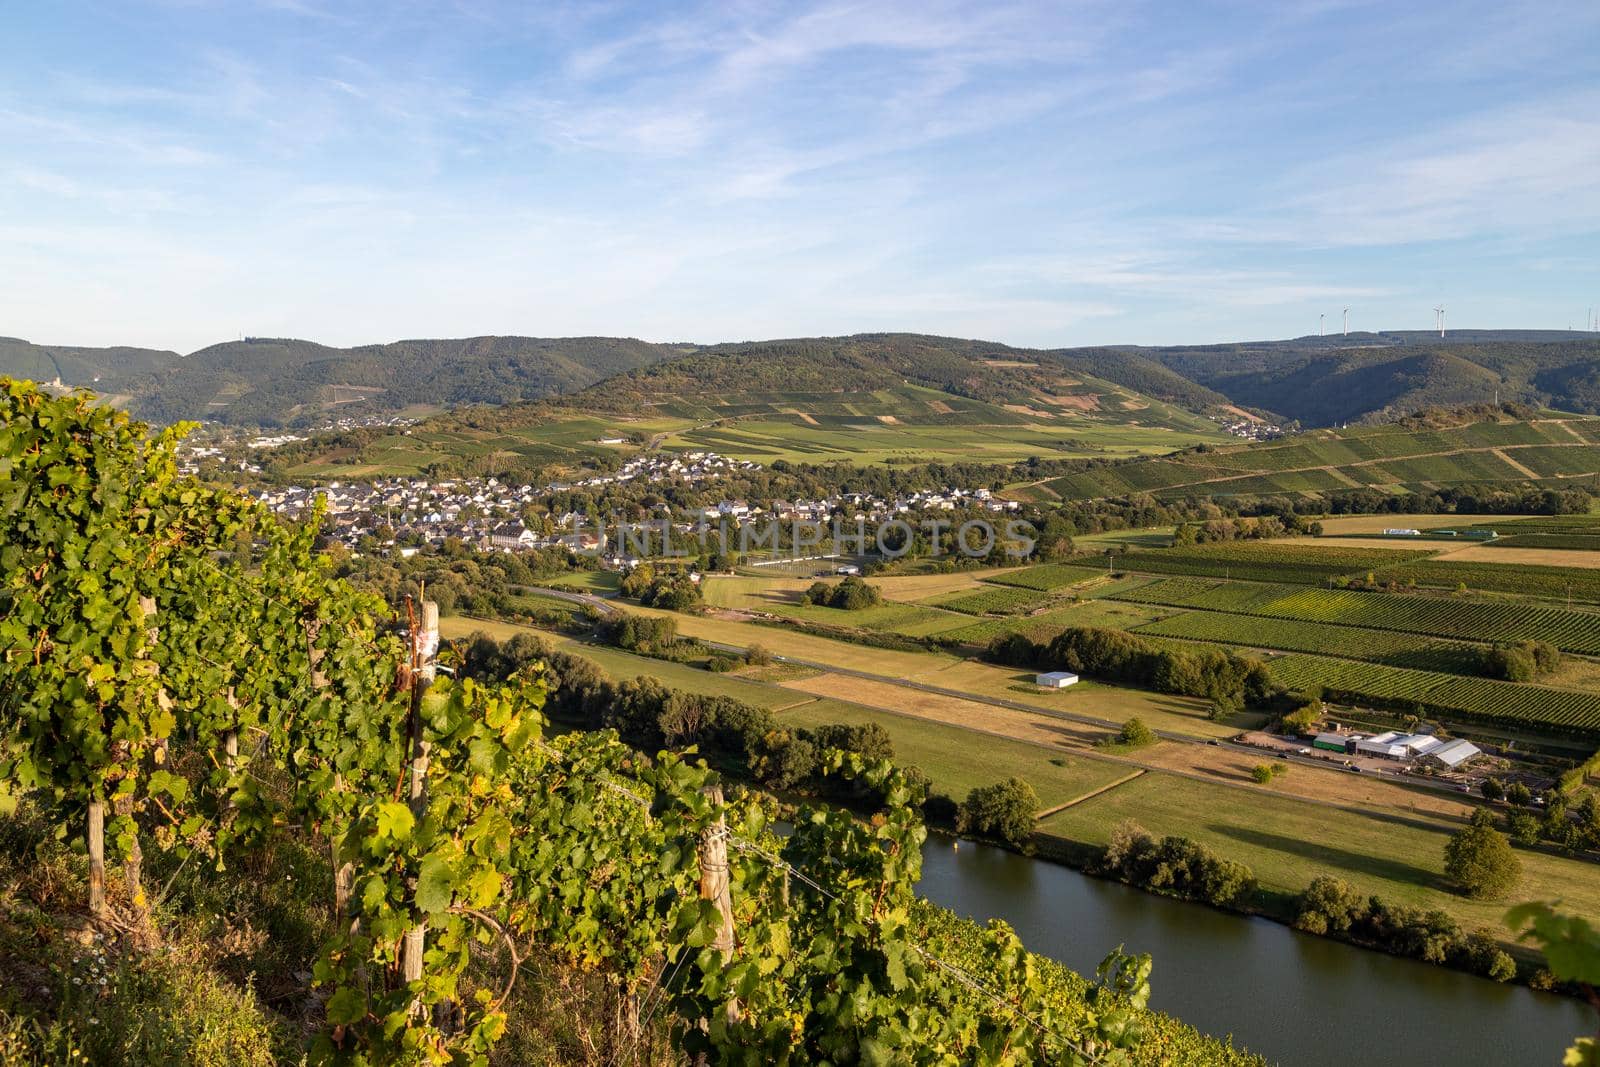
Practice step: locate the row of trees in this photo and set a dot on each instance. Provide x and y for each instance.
(1119, 656)
(1334, 908)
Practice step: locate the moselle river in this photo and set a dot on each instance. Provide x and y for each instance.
(1299, 1000)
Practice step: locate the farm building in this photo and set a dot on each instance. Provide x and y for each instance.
(1452, 754)
(1335, 742)
(1056, 679)
(1394, 745)
(1399, 532)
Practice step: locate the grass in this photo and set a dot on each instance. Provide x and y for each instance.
(958, 760)
(1288, 842)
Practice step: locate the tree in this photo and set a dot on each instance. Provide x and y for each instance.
(1478, 860)
(1003, 810)
(1266, 772)
(1519, 794)
(1492, 789)
(1134, 734)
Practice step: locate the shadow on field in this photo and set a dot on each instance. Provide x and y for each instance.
(1357, 861)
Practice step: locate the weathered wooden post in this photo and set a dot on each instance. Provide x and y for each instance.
(712, 855)
(97, 858)
(344, 872)
(424, 647)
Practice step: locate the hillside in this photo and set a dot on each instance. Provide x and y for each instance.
(1322, 381)
(867, 399)
(277, 381)
(1317, 381)
(1554, 452)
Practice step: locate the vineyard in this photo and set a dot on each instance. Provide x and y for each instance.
(1482, 699)
(1572, 631)
(1265, 562)
(1554, 583)
(1048, 577)
(993, 601)
(150, 624)
(1350, 642)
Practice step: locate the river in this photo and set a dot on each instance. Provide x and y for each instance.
(1299, 1000)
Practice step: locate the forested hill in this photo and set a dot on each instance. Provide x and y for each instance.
(280, 381)
(1318, 381)
(1325, 381)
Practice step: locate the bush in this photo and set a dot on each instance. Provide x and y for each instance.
(1266, 772)
(1175, 866)
(1134, 734)
(1478, 860)
(1004, 810)
(758, 656)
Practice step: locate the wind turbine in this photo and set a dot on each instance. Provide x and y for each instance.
(1346, 320)
(1438, 318)
(1319, 324)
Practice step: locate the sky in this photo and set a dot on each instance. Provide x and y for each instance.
(173, 174)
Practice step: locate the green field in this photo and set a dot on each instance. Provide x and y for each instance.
(1288, 842)
(900, 424)
(1572, 631)
(1484, 699)
(1352, 642)
(992, 601)
(958, 760)
(1524, 579)
(1384, 458)
(1309, 564)
(1049, 577)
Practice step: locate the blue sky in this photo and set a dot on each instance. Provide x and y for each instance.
(173, 174)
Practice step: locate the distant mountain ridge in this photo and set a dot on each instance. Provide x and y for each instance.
(1317, 381)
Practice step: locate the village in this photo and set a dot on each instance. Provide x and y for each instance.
(491, 515)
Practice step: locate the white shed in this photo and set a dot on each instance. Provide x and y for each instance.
(1056, 679)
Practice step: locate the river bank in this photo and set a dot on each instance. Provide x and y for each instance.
(1298, 999)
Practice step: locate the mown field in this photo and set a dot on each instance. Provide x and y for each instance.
(1288, 842)
(959, 760)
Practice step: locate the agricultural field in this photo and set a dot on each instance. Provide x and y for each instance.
(1347, 525)
(899, 424)
(1001, 600)
(1049, 577)
(1566, 542)
(958, 760)
(1383, 457)
(1572, 631)
(1523, 579)
(1310, 564)
(1045, 625)
(1351, 642)
(1483, 699)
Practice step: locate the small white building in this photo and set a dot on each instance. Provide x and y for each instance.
(1402, 533)
(1056, 679)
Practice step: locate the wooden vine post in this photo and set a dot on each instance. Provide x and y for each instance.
(712, 855)
(424, 647)
(344, 872)
(97, 858)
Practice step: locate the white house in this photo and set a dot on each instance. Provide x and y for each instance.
(1056, 679)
